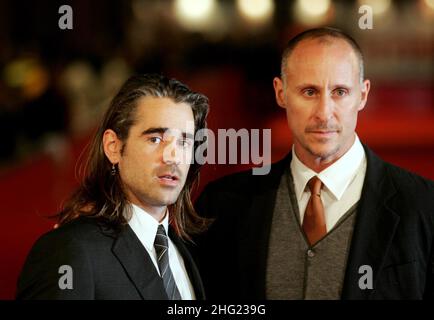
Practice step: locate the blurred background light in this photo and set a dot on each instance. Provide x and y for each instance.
(314, 7)
(311, 12)
(426, 8)
(195, 14)
(379, 7)
(256, 10)
(430, 4)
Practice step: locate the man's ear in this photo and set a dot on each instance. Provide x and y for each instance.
(364, 94)
(279, 92)
(112, 146)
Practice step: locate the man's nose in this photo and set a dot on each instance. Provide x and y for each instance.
(324, 108)
(171, 154)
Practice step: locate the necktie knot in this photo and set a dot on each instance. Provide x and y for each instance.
(315, 185)
(161, 237)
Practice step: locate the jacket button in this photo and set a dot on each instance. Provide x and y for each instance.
(310, 253)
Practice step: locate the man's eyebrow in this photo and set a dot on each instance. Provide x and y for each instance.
(162, 130)
(339, 85)
(306, 85)
(154, 130)
(309, 85)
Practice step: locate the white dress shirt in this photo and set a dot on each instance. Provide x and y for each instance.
(343, 182)
(145, 227)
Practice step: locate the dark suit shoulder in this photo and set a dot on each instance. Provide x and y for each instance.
(414, 192)
(245, 182)
(410, 181)
(80, 230)
(411, 189)
(232, 182)
(77, 245)
(411, 184)
(230, 195)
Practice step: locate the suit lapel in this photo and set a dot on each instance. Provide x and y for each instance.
(192, 271)
(254, 233)
(138, 265)
(374, 229)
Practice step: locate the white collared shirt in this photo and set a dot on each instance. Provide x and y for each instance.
(343, 182)
(145, 227)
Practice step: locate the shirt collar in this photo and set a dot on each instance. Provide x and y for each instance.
(336, 177)
(145, 226)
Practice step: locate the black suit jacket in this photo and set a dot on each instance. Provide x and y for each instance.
(393, 234)
(105, 265)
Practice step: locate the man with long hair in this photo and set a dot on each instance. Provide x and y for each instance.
(121, 234)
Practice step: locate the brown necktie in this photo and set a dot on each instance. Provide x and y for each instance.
(314, 225)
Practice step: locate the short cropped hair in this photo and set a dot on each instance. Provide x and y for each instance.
(318, 33)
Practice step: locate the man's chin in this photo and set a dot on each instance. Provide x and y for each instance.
(324, 151)
(167, 200)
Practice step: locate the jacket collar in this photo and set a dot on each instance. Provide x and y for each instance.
(255, 232)
(138, 265)
(190, 266)
(375, 226)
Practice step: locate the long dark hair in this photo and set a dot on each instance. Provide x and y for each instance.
(100, 194)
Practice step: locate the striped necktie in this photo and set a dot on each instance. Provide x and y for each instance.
(161, 245)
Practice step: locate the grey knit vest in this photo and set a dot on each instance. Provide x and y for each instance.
(296, 271)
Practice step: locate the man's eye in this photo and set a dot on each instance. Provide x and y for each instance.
(309, 92)
(155, 140)
(185, 142)
(341, 92)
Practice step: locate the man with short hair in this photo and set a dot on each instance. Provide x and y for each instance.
(122, 233)
(331, 220)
